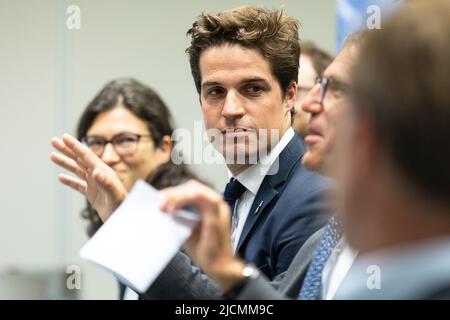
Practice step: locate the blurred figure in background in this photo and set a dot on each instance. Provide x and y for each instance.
(128, 127)
(313, 62)
(394, 159)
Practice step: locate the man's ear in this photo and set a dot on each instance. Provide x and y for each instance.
(290, 96)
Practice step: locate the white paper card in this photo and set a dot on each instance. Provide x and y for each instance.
(138, 240)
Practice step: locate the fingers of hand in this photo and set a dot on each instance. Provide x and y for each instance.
(68, 164)
(83, 154)
(61, 146)
(74, 183)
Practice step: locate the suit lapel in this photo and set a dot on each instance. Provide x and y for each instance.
(272, 184)
(265, 194)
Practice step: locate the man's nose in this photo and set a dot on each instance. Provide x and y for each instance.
(233, 106)
(311, 103)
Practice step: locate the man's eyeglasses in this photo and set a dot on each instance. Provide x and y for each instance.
(332, 84)
(125, 144)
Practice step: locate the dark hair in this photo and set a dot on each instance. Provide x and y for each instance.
(272, 33)
(138, 98)
(401, 83)
(145, 104)
(320, 58)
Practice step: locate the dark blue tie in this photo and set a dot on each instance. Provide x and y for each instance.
(312, 284)
(233, 191)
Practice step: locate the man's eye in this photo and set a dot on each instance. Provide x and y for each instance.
(334, 86)
(337, 85)
(254, 90)
(215, 92)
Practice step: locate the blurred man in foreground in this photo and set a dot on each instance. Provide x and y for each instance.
(395, 159)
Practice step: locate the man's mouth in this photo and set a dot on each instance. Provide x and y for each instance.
(313, 136)
(314, 132)
(231, 130)
(237, 132)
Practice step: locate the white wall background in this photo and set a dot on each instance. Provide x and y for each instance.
(47, 76)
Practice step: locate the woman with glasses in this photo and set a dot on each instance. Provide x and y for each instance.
(128, 126)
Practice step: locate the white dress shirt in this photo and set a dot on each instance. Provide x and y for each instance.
(251, 179)
(336, 268)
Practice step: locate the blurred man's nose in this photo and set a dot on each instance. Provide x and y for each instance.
(311, 102)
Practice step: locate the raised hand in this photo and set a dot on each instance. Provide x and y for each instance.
(94, 179)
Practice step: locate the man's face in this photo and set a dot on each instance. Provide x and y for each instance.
(239, 96)
(322, 125)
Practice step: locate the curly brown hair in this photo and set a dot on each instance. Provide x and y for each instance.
(272, 33)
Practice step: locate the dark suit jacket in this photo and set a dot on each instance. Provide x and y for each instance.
(293, 208)
(286, 285)
(183, 280)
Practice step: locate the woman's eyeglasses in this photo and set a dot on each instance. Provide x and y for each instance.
(125, 144)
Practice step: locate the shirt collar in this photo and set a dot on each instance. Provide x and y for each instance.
(252, 177)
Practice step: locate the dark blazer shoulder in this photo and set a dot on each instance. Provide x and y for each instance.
(294, 207)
